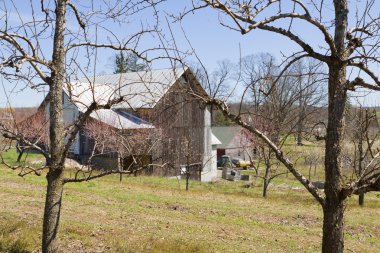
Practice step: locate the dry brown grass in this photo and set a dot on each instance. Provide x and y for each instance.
(148, 214)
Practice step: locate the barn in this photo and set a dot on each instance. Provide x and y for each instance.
(153, 100)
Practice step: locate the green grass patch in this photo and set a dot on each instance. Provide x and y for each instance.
(29, 157)
(152, 214)
(17, 235)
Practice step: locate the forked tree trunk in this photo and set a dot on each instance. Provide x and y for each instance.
(20, 151)
(333, 210)
(52, 211)
(56, 136)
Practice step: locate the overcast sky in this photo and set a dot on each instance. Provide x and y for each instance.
(211, 41)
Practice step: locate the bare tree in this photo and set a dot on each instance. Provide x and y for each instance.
(132, 147)
(272, 99)
(265, 156)
(216, 83)
(25, 46)
(311, 94)
(286, 99)
(192, 167)
(33, 129)
(364, 134)
(278, 104)
(343, 49)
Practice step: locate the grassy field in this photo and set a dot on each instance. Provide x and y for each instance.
(149, 214)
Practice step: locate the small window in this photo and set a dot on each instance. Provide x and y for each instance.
(63, 98)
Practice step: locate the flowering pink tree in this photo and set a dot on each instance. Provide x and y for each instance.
(132, 147)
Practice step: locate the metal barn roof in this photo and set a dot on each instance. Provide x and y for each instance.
(119, 121)
(141, 89)
(225, 135)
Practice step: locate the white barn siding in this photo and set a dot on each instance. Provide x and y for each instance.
(70, 113)
(209, 157)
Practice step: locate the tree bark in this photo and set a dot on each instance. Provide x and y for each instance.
(333, 237)
(361, 199)
(333, 209)
(56, 137)
(21, 152)
(266, 182)
(299, 134)
(301, 113)
(265, 189)
(334, 206)
(300, 124)
(52, 211)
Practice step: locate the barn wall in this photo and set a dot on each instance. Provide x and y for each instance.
(105, 162)
(181, 119)
(209, 158)
(69, 114)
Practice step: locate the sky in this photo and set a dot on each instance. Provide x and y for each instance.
(211, 41)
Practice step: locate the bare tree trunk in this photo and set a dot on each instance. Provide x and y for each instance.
(310, 165)
(266, 182)
(334, 205)
(360, 169)
(333, 210)
(333, 239)
(361, 155)
(187, 179)
(21, 152)
(265, 188)
(52, 211)
(299, 134)
(361, 199)
(300, 113)
(56, 161)
(187, 172)
(300, 128)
